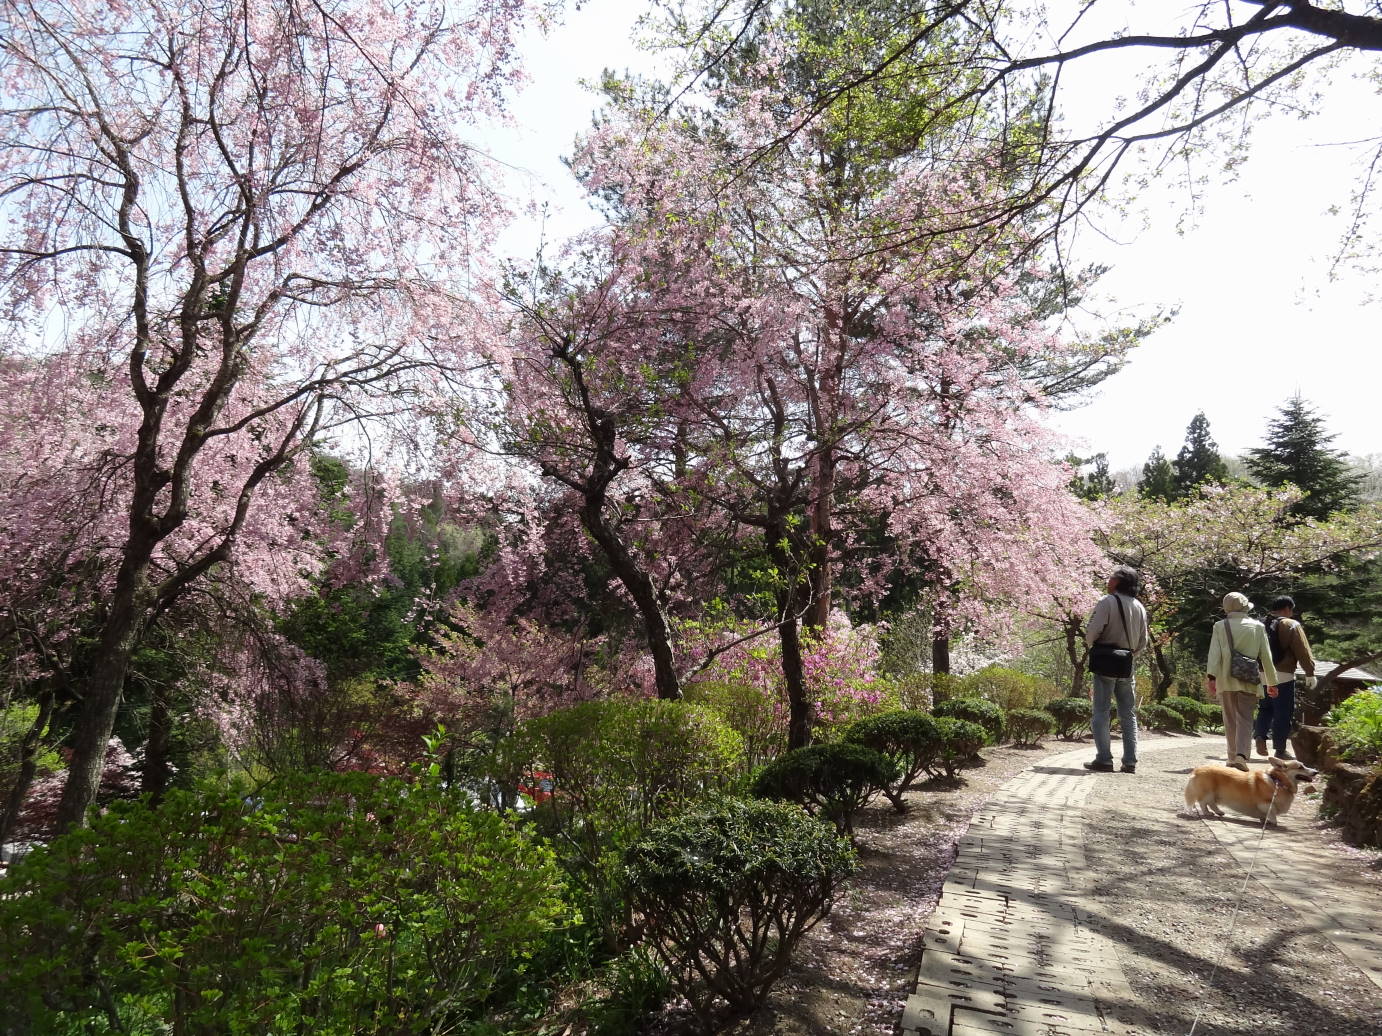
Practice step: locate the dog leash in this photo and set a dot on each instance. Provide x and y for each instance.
(1247, 877)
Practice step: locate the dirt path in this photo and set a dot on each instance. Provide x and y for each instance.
(1164, 888)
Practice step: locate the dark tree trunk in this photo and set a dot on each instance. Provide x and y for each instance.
(102, 693)
(1078, 654)
(799, 718)
(1165, 674)
(639, 584)
(154, 780)
(940, 653)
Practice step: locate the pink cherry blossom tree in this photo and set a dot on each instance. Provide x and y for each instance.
(229, 230)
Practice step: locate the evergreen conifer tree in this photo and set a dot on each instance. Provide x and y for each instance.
(1198, 461)
(1097, 484)
(1158, 480)
(1297, 453)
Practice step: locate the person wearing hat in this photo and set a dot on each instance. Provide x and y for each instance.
(1238, 634)
(1290, 650)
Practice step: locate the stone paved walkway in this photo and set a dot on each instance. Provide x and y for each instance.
(1014, 946)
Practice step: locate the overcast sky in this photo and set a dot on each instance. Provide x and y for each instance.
(1259, 319)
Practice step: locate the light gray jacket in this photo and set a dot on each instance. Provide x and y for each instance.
(1106, 624)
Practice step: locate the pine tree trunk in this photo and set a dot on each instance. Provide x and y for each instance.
(154, 780)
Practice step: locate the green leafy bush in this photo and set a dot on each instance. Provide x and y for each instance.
(726, 892)
(832, 781)
(921, 691)
(907, 737)
(975, 710)
(1211, 715)
(337, 904)
(1158, 717)
(960, 743)
(1072, 716)
(1007, 688)
(1027, 726)
(751, 711)
(619, 765)
(1356, 727)
(1190, 711)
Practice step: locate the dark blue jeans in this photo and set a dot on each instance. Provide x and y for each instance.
(1274, 716)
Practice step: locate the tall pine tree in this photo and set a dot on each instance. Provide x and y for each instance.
(1198, 461)
(1158, 481)
(1297, 453)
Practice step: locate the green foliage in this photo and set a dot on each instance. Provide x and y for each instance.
(1190, 711)
(1211, 715)
(617, 766)
(976, 710)
(921, 691)
(337, 904)
(1072, 716)
(1097, 484)
(905, 736)
(1297, 454)
(1198, 463)
(752, 712)
(1027, 726)
(15, 723)
(727, 891)
(1007, 688)
(1158, 717)
(1158, 481)
(829, 781)
(1356, 727)
(960, 743)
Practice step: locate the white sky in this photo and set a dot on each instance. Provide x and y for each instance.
(1259, 319)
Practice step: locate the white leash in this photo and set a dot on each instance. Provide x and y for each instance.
(1247, 877)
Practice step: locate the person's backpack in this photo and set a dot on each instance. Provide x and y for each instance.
(1274, 638)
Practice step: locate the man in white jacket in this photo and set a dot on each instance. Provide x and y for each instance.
(1120, 620)
(1237, 632)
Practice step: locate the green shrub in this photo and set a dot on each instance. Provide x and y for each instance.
(832, 781)
(1158, 717)
(1072, 716)
(960, 743)
(907, 737)
(336, 904)
(1356, 727)
(1027, 726)
(1211, 715)
(975, 710)
(1006, 688)
(1190, 711)
(727, 891)
(752, 712)
(921, 691)
(619, 765)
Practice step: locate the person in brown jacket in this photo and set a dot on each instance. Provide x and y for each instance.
(1290, 650)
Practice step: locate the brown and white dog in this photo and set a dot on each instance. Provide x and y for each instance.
(1255, 793)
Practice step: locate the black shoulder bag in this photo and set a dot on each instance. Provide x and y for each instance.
(1109, 659)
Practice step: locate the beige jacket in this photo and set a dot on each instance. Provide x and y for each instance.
(1249, 638)
(1296, 650)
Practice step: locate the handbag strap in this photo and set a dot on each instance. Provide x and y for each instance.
(1228, 632)
(1123, 618)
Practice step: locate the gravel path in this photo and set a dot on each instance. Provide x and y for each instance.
(1166, 890)
(1163, 889)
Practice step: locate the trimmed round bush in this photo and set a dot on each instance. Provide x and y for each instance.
(960, 743)
(832, 781)
(727, 891)
(907, 737)
(1211, 715)
(334, 904)
(1072, 716)
(1192, 716)
(751, 711)
(1006, 688)
(1159, 717)
(975, 710)
(1028, 726)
